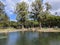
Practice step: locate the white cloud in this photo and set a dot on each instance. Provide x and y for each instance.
(55, 5)
(10, 4)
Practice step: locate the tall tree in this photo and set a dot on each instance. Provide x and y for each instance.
(47, 12)
(22, 12)
(48, 6)
(3, 16)
(37, 11)
(1, 7)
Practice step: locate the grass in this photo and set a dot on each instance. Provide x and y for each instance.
(56, 28)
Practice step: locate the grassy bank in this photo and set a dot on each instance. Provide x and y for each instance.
(30, 29)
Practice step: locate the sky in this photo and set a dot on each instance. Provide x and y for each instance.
(10, 6)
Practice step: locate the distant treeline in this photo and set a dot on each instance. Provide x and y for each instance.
(36, 17)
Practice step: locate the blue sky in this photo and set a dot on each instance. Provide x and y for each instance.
(10, 6)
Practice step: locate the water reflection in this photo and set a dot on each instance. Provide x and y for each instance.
(3, 41)
(12, 38)
(30, 38)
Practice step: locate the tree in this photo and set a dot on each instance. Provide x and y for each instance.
(1, 7)
(22, 11)
(3, 16)
(37, 11)
(48, 6)
(47, 13)
(13, 24)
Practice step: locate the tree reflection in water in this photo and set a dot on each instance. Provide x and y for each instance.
(22, 40)
(30, 38)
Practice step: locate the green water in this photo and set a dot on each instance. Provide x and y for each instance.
(30, 38)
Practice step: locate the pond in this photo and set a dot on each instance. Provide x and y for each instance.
(30, 38)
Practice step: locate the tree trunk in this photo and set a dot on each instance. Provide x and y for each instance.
(22, 26)
(49, 24)
(40, 25)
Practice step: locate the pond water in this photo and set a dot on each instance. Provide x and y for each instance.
(30, 38)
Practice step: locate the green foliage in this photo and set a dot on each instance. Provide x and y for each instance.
(44, 19)
(40, 18)
(36, 9)
(48, 6)
(13, 24)
(21, 11)
(3, 16)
